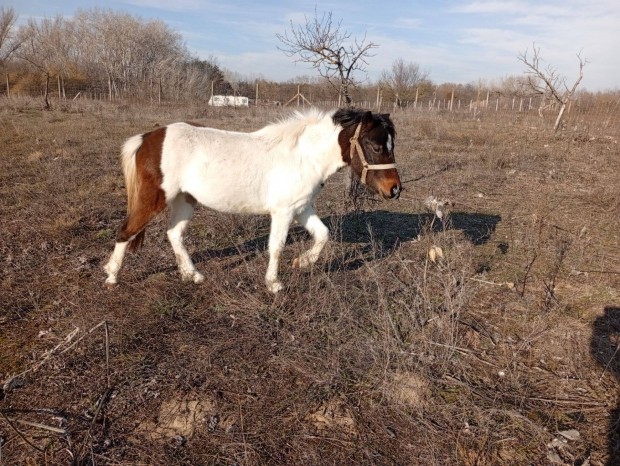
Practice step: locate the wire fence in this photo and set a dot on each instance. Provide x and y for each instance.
(587, 114)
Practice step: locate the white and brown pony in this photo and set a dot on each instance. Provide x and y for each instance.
(277, 170)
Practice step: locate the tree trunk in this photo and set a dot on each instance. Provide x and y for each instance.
(559, 118)
(46, 102)
(344, 93)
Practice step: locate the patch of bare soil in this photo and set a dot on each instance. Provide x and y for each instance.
(488, 336)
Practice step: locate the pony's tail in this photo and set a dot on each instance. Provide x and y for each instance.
(132, 181)
(128, 165)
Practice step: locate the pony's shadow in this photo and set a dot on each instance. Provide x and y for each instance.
(378, 232)
(391, 228)
(604, 346)
(381, 232)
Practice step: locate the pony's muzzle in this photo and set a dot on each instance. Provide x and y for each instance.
(388, 189)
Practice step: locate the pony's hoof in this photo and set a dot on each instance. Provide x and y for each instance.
(304, 261)
(275, 287)
(110, 284)
(195, 277)
(301, 263)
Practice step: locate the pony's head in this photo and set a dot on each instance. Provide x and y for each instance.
(367, 144)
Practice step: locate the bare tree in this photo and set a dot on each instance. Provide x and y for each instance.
(130, 55)
(8, 42)
(402, 80)
(329, 49)
(548, 82)
(514, 86)
(45, 48)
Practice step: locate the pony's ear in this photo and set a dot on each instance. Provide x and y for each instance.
(385, 115)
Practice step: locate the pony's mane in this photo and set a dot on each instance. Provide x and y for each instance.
(288, 129)
(346, 117)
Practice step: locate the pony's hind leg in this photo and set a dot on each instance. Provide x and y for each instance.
(131, 232)
(320, 234)
(114, 264)
(181, 211)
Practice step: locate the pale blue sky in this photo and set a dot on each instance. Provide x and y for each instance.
(455, 41)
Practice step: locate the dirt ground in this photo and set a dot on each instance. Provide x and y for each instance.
(503, 351)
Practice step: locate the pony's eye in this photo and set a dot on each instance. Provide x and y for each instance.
(375, 148)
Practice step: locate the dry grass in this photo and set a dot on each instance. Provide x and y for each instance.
(377, 355)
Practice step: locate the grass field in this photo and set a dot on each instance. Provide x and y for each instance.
(505, 351)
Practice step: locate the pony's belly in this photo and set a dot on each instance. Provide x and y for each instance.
(233, 205)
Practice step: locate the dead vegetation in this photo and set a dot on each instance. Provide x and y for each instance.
(503, 349)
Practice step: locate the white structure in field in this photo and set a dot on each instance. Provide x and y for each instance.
(228, 101)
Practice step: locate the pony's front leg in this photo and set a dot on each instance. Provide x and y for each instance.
(320, 234)
(181, 210)
(280, 223)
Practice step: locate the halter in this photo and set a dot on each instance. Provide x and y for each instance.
(366, 166)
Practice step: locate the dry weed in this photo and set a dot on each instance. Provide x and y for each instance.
(377, 355)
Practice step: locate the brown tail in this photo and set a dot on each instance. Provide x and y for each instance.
(128, 164)
(132, 182)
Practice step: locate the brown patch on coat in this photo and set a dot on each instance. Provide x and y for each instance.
(151, 198)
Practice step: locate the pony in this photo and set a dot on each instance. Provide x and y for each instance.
(277, 170)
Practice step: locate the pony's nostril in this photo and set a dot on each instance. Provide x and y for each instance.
(396, 191)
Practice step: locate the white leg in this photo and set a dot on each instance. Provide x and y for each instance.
(180, 213)
(320, 234)
(115, 262)
(280, 223)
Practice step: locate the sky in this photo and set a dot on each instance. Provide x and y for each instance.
(453, 41)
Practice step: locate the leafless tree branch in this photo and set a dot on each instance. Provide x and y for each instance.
(547, 81)
(8, 42)
(402, 80)
(323, 44)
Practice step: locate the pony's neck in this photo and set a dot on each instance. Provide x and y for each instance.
(321, 148)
